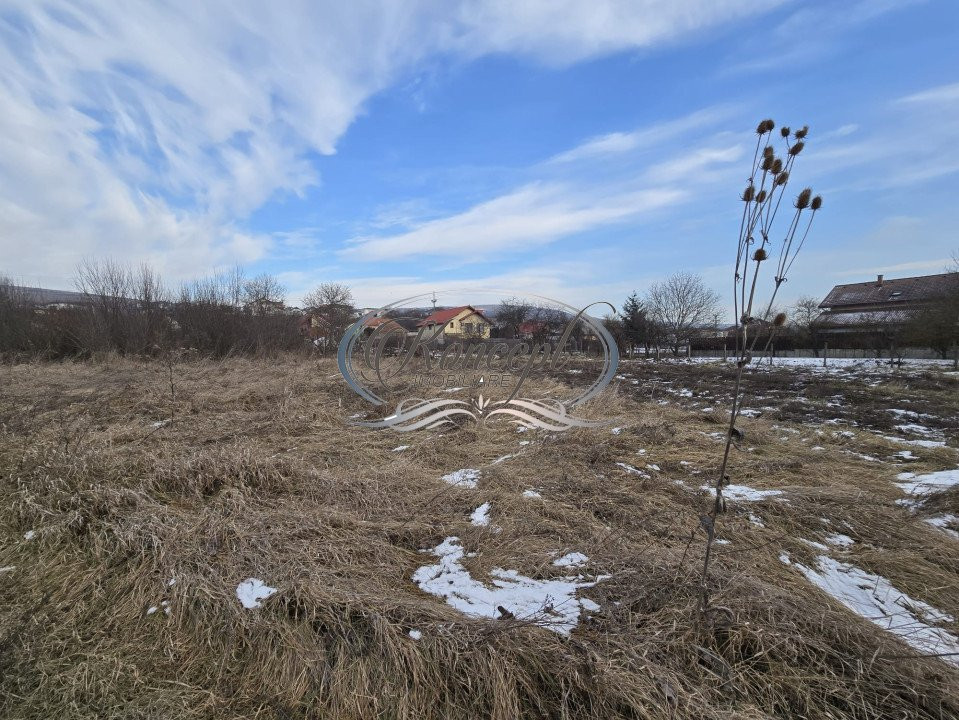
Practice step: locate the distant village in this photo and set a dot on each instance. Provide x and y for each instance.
(881, 317)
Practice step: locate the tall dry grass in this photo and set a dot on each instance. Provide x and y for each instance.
(257, 476)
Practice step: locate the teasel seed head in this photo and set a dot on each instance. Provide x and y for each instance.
(768, 150)
(779, 320)
(760, 255)
(782, 178)
(748, 193)
(784, 131)
(767, 163)
(802, 132)
(802, 201)
(764, 127)
(797, 148)
(816, 202)
(777, 166)
(760, 197)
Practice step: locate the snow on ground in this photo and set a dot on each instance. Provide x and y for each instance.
(416, 634)
(8, 568)
(929, 483)
(465, 478)
(29, 534)
(943, 521)
(632, 470)
(550, 603)
(480, 516)
(866, 365)
(840, 540)
(876, 599)
(532, 494)
(742, 492)
(917, 443)
(571, 560)
(906, 455)
(251, 591)
(401, 448)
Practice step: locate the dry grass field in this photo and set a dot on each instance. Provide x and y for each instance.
(137, 499)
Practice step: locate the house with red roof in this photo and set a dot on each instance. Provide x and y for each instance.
(463, 322)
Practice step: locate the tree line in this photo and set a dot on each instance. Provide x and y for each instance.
(129, 310)
(682, 312)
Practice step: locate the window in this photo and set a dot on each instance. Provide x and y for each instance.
(468, 327)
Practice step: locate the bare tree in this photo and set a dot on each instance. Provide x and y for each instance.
(804, 314)
(511, 314)
(263, 294)
(682, 305)
(330, 310)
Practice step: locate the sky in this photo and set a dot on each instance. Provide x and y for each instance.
(574, 149)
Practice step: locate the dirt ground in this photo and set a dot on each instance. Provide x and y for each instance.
(142, 502)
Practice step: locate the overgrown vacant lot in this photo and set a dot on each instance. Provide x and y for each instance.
(145, 506)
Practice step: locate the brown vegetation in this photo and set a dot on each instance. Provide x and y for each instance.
(134, 473)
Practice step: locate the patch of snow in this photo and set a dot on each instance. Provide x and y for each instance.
(571, 560)
(915, 429)
(756, 520)
(913, 484)
(632, 470)
(943, 521)
(784, 558)
(401, 448)
(742, 492)
(840, 540)
(467, 478)
(906, 455)
(480, 516)
(161, 423)
(917, 443)
(874, 598)
(524, 442)
(750, 412)
(498, 460)
(652, 466)
(616, 430)
(415, 634)
(152, 609)
(29, 535)
(532, 494)
(720, 541)
(863, 456)
(550, 603)
(251, 591)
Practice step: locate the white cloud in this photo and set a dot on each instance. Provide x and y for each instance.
(152, 131)
(644, 138)
(532, 215)
(937, 95)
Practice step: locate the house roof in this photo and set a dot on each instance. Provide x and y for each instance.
(441, 317)
(867, 318)
(899, 290)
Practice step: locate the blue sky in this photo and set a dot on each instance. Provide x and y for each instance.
(578, 150)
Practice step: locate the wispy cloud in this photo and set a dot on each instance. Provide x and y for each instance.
(936, 95)
(532, 215)
(937, 265)
(154, 130)
(615, 143)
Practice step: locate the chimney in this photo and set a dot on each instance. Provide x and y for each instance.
(879, 281)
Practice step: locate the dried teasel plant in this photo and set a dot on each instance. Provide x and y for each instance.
(762, 199)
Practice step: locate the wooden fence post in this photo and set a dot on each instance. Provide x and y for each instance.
(825, 353)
